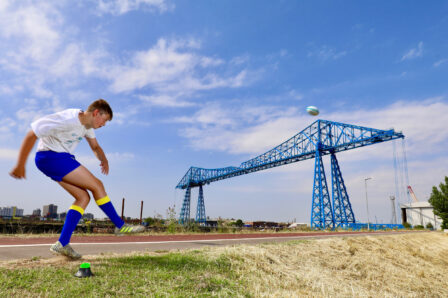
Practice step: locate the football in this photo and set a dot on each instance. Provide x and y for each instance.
(312, 110)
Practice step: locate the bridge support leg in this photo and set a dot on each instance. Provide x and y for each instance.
(342, 209)
(200, 211)
(185, 211)
(321, 211)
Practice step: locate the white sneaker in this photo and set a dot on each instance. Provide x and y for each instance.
(67, 250)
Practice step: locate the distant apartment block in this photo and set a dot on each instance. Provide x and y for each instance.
(11, 212)
(88, 216)
(62, 216)
(37, 212)
(50, 211)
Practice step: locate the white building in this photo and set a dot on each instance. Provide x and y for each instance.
(298, 225)
(420, 213)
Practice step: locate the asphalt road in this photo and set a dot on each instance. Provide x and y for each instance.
(12, 248)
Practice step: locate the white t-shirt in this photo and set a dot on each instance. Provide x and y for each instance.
(60, 132)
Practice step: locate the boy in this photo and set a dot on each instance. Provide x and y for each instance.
(58, 136)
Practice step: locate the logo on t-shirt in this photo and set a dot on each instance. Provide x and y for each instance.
(77, 137)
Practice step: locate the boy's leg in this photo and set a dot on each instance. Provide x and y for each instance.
(75, 212)
(82, 178)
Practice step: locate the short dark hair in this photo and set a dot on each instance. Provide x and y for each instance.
(102, 105)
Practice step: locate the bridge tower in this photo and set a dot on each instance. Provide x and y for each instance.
(342, 208)
(200, 211)
(321, 211)
(185, 211)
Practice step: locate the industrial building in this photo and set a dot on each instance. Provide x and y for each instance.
(420, 213)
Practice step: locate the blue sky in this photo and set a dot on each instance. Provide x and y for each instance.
(214, 83)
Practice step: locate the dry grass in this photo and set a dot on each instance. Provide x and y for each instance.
(410, 265)
(398, 265)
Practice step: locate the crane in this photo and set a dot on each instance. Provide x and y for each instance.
(411, 192)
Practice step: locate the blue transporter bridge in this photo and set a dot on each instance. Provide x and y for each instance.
(321, 138)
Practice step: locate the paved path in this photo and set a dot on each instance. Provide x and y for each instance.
(13, 248)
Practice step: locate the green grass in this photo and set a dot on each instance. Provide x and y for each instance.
(172, 274)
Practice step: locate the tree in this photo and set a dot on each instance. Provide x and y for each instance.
(150, 221)
(439, 200)
(239, 223)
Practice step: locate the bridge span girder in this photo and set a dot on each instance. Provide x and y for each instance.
(321, 138)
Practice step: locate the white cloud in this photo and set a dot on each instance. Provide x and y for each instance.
(120, 7)
(414, 52)
(40, 48)
(240, 60)
(440, 62)
(7, 126)
(171, 66)
(253, 130)
(278, 55)
(113, 158)
(44, 52)
(10, 90)
(326, 53)
(243, 129)
(423, 175)
(295, 95)
(158, 65)
(8, 154)
(165, 100)
(422, 122)
(33, 27)
(207, 61)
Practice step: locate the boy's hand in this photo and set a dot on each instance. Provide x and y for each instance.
(104, 167)
(18, 172)
(27, 145)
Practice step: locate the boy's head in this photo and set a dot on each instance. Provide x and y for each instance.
(102, 106)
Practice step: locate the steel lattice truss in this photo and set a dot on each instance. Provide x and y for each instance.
(185, 211)
(343, 213)
(323, 135)
(320, 138)
(200, 210)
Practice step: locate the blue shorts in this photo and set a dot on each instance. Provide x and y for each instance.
(56, 164)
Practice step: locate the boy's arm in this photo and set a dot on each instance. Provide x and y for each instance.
(18, 171)
(99, 154)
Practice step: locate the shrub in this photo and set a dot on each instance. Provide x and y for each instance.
(239, 223)
(406, 225)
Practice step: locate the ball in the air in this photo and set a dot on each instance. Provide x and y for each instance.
(312, 110)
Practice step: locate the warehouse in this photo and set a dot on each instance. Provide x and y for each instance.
(420, 213)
